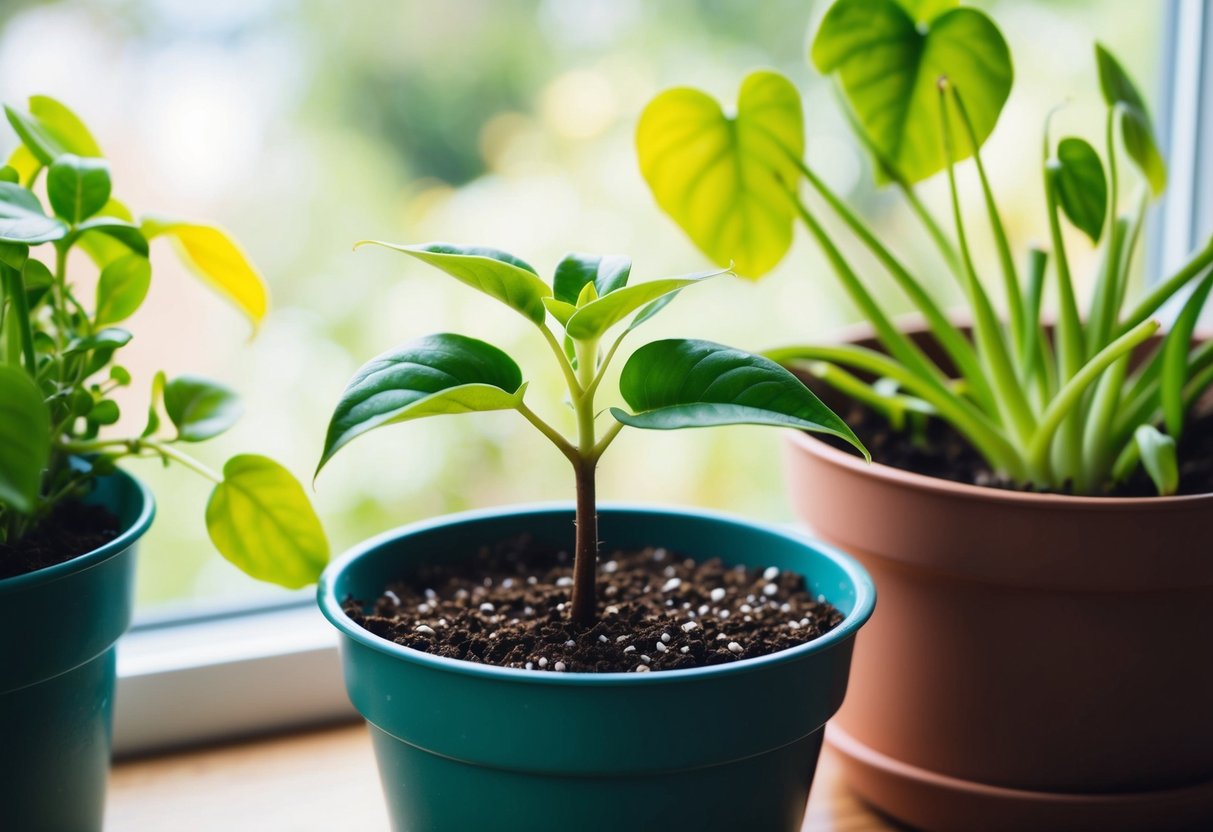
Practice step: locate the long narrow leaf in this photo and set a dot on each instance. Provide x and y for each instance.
(1175, 358)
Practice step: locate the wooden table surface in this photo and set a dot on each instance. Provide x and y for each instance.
(326, 780)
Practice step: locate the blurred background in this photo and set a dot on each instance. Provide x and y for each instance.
(304, 125)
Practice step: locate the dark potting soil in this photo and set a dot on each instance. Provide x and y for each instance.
(508, 606)
(72, 529)
(942, 452)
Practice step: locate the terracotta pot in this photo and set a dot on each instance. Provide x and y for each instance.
(1038, 662)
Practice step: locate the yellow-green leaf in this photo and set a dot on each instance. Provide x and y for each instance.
(260, 519)
(24, 439)
(726, 179)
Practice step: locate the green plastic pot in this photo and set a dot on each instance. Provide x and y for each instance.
(463, 746)
(58, 627)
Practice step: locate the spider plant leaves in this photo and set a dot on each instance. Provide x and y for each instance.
(200, 408)
(498, 274)
(1136, 130)
(1174, 375)
(1082, 188)
(605, 272)
(121, 288)
(679, 383)
(594, 318)
(78, 186)
(1158, 457)
(726, 179)
(260, 519)
(888, 65)
(22, 219)
(217, 260)
(25, 432)
(431, 376)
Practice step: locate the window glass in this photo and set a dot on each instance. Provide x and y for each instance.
(304, 126)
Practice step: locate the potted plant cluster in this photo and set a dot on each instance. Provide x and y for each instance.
(1039, 526)
(70, 519)
(516, 678)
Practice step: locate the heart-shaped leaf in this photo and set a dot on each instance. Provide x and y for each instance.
(726, 180)
(606, 272)
(24, 439)
(889, 65)
(1120, 92)
(121, 288)
(431, 376)
(216, 258)
(200, 408)
(498, 274)
(22, 219)
(1082, 189)
(1158, 457)
(260, 519)
(78, 186)
(680, 383)
(596, 317)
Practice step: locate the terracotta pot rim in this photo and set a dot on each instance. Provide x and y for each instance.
(979, 493)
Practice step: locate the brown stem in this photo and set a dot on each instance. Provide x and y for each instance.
(585, 559)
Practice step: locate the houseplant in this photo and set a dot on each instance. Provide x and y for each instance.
(1043, 443)
(472, 668)
(69, 518)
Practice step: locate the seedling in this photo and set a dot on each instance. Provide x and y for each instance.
(58, 369)
(668, 384)
(922, 93)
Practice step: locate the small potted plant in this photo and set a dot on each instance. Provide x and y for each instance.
(514, 681)
(69, 518)
(1040, 661)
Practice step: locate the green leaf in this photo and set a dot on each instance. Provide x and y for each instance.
(726, 180)
(78, 187)
(560, 310)
(496, 273)
(431, 376)
(606, 272)
(889, 66)
(105, 412)
(13, 255)
(22, 219)
(596, 317)
(680, 383)
(199, 408)
(1120, 92)
(260, 519)
(129, 236)
(50, 129)
(1159, 458)
(1175, 357)
(218, 260)
(153, 407)
(110, 338)
(8, 173)
(121, 288)
(25, 430)
(924, 11)
(1082, 189)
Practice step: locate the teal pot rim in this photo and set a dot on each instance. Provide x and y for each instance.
(330, 604)
(88, 560)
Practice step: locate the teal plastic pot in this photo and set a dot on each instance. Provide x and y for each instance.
(57, 632)
(463, 746)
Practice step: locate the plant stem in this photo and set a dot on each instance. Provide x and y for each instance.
(584, 607)
(1163, 292)
(946, 249)
(16, 291)
(566, 368)
(550, 432)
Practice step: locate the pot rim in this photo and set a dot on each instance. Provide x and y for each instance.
(1027, 499)
(330, 604)
(80, 563)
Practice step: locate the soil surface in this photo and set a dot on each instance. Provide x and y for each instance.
(659, 611)
(71, 530)
(944, 453)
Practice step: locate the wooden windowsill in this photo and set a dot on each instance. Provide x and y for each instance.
(325, 780)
